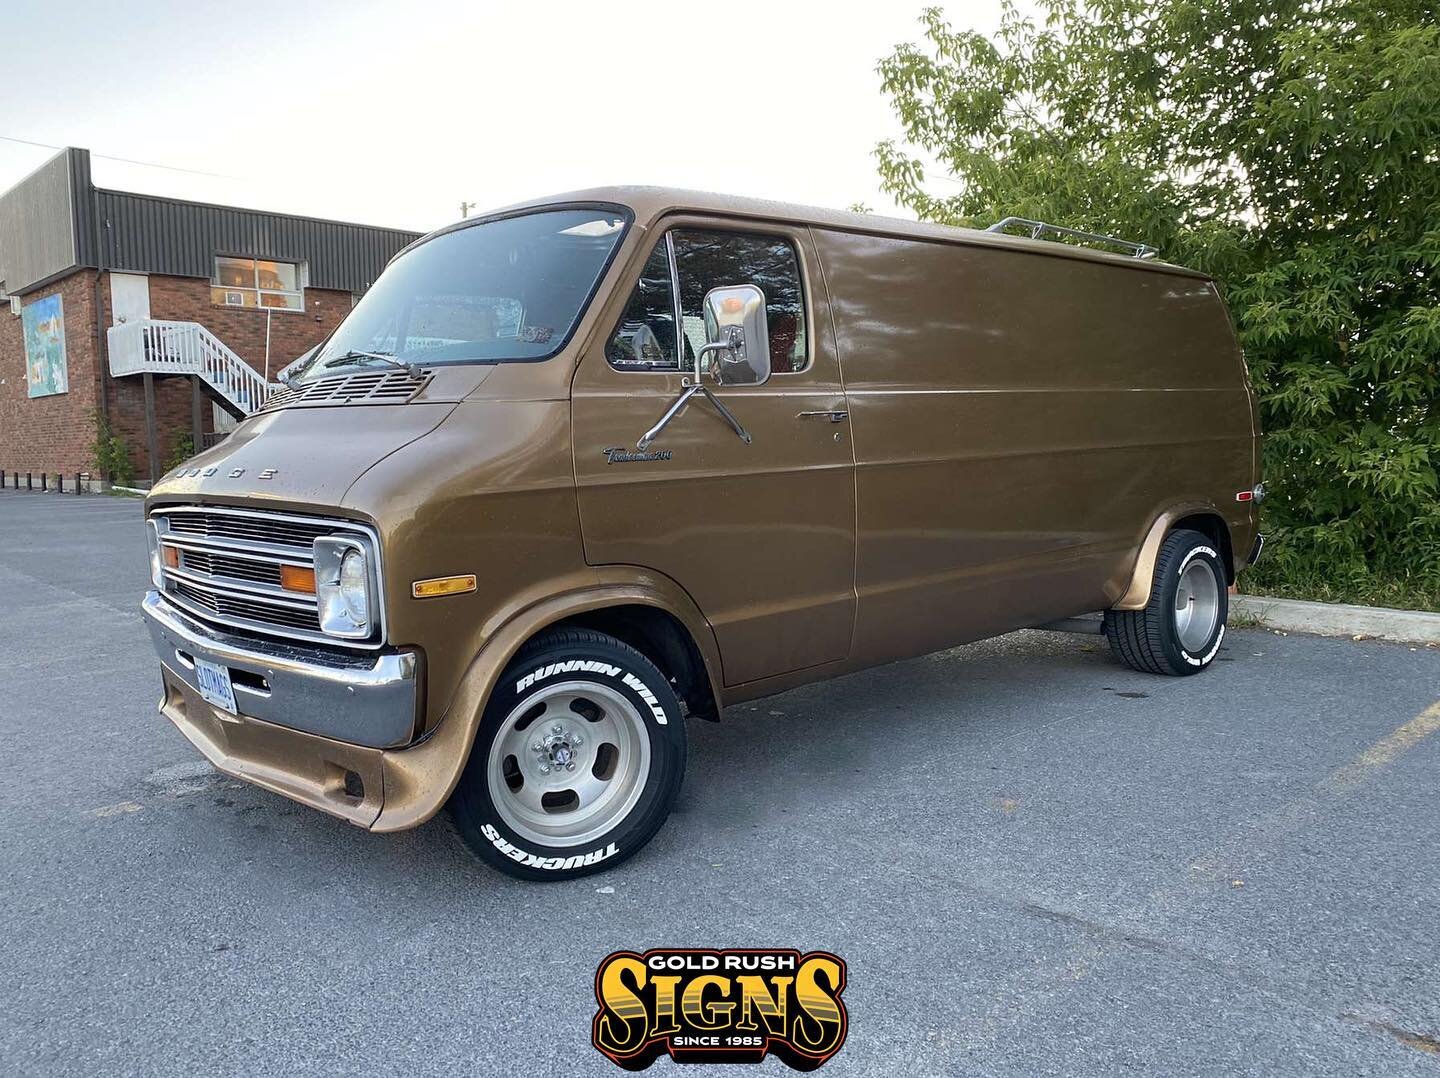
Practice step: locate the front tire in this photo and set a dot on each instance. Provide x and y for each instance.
(1180, 629)
(577, 762)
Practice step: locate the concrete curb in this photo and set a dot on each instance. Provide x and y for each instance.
(1337, 619)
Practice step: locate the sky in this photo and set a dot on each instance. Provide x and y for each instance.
(394, 113)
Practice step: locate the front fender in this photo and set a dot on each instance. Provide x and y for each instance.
(419, 780)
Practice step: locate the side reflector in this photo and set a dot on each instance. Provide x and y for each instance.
(1245, 496)
(297, 578)
(443, 585)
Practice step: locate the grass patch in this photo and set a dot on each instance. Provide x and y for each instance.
(1241, 619)
(1395, 594)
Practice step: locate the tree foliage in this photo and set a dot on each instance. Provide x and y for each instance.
(1290, 148)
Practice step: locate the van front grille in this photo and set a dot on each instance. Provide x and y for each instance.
(227, 568)
(232, 607)
(259, 572)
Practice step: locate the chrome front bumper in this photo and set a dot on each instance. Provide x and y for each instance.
(365, 699)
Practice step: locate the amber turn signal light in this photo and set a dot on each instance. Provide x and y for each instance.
(171, 557)
(443, 585)
(297, 578)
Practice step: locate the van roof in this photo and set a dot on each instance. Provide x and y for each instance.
(649, 204)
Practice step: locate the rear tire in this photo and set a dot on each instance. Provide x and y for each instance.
(1180, 629)
(577, 762)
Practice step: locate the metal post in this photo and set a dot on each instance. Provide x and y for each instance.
(29, 481)
(197, 436)
(151, 434)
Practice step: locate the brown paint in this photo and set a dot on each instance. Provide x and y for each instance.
(1025, 421)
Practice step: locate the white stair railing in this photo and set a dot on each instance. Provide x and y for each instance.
(153, 346)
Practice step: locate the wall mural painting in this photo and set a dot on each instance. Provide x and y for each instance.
(44, 325)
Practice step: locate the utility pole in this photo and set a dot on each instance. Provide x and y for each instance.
(466, 207)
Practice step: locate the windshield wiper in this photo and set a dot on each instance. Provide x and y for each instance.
(413, 369)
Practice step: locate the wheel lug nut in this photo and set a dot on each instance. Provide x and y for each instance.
(577, 740)
(557, 729)
(570, 766)
(544, 769)
(538, 746)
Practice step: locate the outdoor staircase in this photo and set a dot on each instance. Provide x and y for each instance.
(153, 346)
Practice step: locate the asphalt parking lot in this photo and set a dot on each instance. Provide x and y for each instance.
(1033, 860)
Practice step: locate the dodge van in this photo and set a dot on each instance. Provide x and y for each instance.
(581, 469)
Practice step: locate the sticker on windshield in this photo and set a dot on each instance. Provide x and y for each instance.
(537, 334)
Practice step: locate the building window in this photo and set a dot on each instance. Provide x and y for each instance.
(257, 282)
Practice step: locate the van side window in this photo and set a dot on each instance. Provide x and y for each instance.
(645, 339)
(707, 260)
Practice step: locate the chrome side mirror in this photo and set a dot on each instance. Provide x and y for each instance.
(737, 352)
(738, 348)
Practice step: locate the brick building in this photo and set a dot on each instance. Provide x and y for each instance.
(161, 319)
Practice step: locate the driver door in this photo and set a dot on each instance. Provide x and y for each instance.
(762, 536)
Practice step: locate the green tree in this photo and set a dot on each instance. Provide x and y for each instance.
(1290, 148)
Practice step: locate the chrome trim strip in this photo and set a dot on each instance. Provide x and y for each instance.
(238, 548)
(370, 700)
(256, 514)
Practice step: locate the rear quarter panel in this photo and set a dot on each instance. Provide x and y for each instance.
(1020, 419)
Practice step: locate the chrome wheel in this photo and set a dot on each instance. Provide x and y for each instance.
(569, 763)
(1197, 605)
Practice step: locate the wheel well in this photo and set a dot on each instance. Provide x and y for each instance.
(1217, 531)
(665, 641)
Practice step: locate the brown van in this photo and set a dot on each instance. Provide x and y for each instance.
(576, 470)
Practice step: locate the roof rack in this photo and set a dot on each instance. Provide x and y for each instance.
(1039, 229)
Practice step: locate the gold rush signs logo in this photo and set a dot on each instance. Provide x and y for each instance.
(730, 1006)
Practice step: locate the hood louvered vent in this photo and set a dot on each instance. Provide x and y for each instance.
(369, 387)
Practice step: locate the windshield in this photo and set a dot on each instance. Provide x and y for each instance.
(508, 290)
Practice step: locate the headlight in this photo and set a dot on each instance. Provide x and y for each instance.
(157, 567)
(354, 592)
(343, 586)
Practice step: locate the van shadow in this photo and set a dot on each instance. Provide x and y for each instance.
(812, 752)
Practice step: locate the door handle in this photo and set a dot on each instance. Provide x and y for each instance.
(834, 416)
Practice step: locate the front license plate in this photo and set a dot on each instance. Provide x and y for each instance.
(213, 681)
